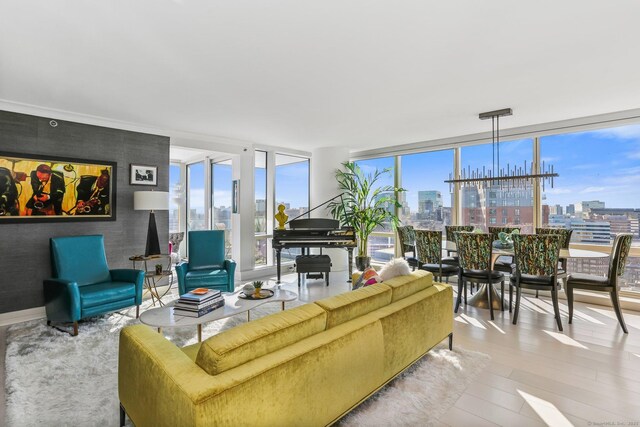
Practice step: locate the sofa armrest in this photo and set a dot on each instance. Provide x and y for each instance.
(62, 300)
(147, 361)
(181, 272)
(230, 266)
(132, 276)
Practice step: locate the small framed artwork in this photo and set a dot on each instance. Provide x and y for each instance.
(235, 196)
(143, 175)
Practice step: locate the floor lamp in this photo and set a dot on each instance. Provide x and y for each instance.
(151, 201)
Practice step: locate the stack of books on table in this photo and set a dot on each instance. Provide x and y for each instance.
(198, 302)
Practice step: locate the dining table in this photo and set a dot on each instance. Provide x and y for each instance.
(480, 298)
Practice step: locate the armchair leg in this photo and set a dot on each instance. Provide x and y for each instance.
(517, 309)
(459, 298)
(451, 341)
(48, 322)
(75, 329)
(569, 291)
(502, 296)
(556, 308)
(465, 292)
(122, 415)
(510, 297)
(137, 311)
(616, 306)
(489, 291)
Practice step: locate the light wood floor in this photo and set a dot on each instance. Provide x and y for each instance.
(587, 376)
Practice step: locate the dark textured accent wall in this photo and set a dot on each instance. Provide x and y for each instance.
(24, 248)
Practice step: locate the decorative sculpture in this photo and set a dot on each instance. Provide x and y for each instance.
(281, 217)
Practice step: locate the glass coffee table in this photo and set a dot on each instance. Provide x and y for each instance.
(163, 317)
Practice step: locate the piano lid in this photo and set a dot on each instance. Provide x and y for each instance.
(314, 224)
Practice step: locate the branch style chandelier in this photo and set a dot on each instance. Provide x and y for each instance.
(503, 178)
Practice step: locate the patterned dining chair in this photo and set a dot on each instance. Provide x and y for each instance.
(407, 238)
(619, 254)
(503, 263)
(536, 258)
(450, 231)
(474, 250)
(429, 252)
(565, 239)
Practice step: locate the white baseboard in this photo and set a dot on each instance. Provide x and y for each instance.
(22, 316)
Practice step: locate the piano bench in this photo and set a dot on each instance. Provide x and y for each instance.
(313, 264)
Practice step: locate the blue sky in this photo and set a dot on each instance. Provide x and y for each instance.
(292, 184)
(596, 165)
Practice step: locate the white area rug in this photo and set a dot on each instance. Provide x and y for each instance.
(55, 379)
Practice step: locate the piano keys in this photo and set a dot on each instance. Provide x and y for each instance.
(314, 233)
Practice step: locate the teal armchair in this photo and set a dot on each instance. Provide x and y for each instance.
(83, 286)
(206, 267)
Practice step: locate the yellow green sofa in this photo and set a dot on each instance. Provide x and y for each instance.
(306, 366)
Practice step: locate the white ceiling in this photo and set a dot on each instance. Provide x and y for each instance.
(307, 74)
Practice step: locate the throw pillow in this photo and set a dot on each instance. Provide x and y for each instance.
(368, 277)
(395, 267)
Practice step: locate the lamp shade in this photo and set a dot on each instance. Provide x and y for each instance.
(151, 200)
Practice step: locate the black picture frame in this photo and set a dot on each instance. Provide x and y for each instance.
(43, 188)
(140, 174)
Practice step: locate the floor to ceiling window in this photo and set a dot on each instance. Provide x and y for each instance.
(196, 215)
(497, 205)
(175, 197)
(382, 240)
(292, 189)
(260, 188)
(427, 201)
(221, 183)
(597, 193)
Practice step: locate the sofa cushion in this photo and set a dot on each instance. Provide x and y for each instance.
(344, 307)
(251, 340)
(104, 293)
(403, 286)
(192, 350)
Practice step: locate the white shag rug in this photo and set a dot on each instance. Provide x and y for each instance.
(54, 379)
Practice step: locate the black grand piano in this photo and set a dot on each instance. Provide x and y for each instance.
(314, 233)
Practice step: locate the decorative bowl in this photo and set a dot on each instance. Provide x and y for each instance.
(248, 289)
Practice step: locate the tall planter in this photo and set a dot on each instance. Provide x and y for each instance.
(363, 205)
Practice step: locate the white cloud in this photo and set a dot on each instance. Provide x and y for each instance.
(558, 191)
(633, 154)
(586, 166)
(623, 132)
(593, 189)
(550, 159)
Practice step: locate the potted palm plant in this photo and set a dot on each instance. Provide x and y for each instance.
(364, 206)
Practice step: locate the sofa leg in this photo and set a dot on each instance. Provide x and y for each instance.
(48, 322)
(75, 329)
(122, 415)
(451, 341)
(137, 311)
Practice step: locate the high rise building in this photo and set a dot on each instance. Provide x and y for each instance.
(586, 206)
(555, 210)
(429, 201)
(571, 210)
(589, 231)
